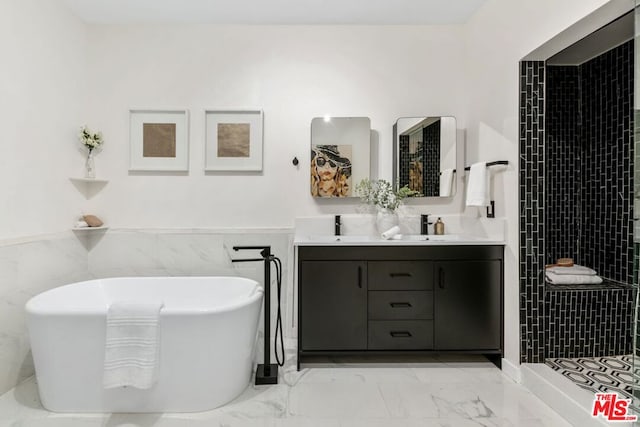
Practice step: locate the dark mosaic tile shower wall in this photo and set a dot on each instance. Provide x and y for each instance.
(587, 190)
(563, 162)
(532, 169)
(431, 150)
(405, 159)
(589, 323)
(636, 245)
(589, 180)
(607, 187)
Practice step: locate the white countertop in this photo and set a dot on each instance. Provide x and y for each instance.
(401, 240)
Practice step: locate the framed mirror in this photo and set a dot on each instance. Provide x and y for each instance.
(340, 155)
(424, 155)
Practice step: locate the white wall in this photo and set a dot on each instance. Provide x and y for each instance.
(498, 37)
(293, 73)
(42, 95)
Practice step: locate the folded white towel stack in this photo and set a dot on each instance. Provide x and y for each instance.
(391, 232)
(573, 279)
(478, 185)
(574, 275)
(132, 345)
(446, 179)
(577, 270)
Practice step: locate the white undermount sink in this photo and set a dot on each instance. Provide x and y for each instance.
(327, 239)
(436, 238)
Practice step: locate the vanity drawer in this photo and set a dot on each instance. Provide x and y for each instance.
(400, 335)
(407, 305)
(400, 275)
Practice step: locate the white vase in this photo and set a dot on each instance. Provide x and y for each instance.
(385, 219)
(90, 167)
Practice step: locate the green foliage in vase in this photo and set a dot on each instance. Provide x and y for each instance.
(380, 193)
(89, 139)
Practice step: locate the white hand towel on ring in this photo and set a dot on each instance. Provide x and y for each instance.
(478, 185)
(446, 179)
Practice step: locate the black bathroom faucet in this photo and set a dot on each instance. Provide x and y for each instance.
(266, 373)
(424, 224)
(337, 224)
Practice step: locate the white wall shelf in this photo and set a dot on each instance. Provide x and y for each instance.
(89, 180)
(88, 187)
(102, 227)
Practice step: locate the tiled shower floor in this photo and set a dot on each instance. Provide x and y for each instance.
(598, 374)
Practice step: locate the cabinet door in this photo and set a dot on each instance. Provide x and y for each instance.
(333, 305)
(468, 305)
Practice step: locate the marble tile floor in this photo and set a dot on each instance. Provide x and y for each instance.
(444, 392)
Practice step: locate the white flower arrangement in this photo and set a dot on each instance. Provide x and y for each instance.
(380, 193)
(90, 140)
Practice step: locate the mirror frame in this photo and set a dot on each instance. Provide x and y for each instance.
(449, 172)
(343, 144)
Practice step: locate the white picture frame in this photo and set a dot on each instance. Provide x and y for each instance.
(159, 140)
(233, 140)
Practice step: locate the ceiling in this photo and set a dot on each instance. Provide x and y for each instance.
(611, 35)
(307, 12)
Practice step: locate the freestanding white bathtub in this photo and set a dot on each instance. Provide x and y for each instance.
(208, 329)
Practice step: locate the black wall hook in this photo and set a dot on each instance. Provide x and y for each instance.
(295, 161)
(491, 213)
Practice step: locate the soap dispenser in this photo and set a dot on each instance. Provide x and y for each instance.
(438, 227)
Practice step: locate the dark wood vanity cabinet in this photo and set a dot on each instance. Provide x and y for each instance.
(468, 309)
(367, 300)
(333, 306)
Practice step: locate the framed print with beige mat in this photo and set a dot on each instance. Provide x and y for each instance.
(159, 140)
(233, 140)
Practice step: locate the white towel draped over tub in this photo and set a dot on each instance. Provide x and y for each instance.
(132, 345)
